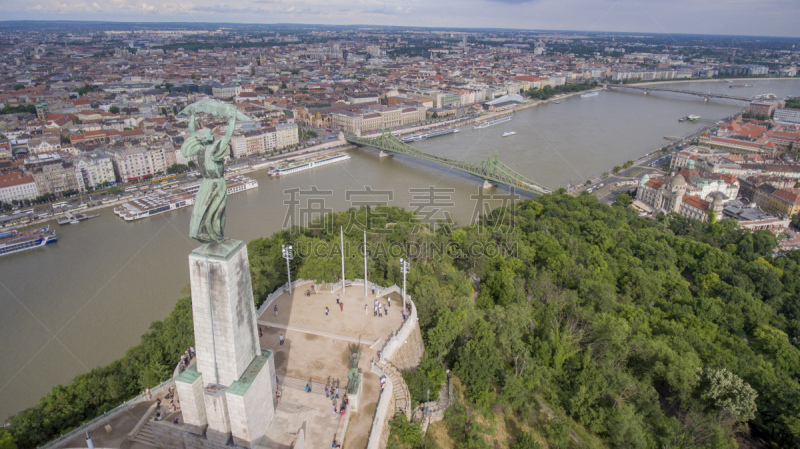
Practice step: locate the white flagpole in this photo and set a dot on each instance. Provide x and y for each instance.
(341, 235)
(365, 264)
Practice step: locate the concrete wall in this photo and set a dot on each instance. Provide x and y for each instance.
(232, 337)
(409, 334)
(193, 406)
(437, 408)
(252, 413)
(411, 350)
(382, 416)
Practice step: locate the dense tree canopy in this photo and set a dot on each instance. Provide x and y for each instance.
(668, 333)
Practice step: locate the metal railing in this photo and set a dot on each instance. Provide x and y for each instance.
(283, 288)
(109, 415)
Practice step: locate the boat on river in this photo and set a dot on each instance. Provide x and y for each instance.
(15, 241)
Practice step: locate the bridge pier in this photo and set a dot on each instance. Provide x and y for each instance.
(645, 92)
(705, 99)
(384, 154)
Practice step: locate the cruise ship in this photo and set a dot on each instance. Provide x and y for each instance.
(16, 241)
(162, 201)
(418, 137)
(489, 123)
(294, 167)
(590, 94)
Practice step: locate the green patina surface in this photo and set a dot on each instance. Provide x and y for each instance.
(222, 251)
(189, 375)
(241, 386)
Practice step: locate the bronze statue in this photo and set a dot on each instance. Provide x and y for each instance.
(208, 216)
(352, 376)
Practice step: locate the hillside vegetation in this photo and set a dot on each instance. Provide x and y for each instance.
(636, 333)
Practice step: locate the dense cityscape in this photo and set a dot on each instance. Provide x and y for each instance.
(654, 304)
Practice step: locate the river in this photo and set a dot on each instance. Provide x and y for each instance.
(83, 301)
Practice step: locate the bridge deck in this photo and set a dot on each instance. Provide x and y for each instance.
(491, 170)
(681, 91)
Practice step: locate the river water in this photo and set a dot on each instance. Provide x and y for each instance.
(82, 302)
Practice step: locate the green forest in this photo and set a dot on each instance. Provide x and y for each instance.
(632, 333)
(548, 91)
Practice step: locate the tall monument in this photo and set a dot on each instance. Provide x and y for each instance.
(227, 396)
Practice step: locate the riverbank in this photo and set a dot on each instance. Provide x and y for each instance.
(309, 153)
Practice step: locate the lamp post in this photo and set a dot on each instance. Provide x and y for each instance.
(404, 268)
(427, 403)
(286, 250)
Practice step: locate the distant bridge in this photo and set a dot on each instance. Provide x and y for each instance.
(705, 95)
(490, 170)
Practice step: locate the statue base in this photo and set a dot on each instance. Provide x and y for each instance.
(356, 396)
(227, 396)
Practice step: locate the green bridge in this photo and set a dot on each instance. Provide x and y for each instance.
(491, 170)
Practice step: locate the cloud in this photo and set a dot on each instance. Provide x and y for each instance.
(512, 2)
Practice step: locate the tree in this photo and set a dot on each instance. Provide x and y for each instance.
(177, 168)
(192, 165)
(616, 169)
(723, 390)
(526, 440)
(113, 110)
(7, 440)
(19, 86)
(623, 199)
(113, 190)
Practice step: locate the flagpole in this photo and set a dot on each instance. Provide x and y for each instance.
(341, 236)
(365, 263)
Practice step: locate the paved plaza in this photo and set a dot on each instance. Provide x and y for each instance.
(315, 352)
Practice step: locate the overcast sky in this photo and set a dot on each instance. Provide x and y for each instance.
(742, 17)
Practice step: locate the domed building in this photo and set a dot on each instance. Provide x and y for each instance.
(675, 195)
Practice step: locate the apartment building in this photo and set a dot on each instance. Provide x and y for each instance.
(134, 163)
(286, 134)
(17, 186)
(784, 202)
(250, 143)
(57, 178)
(95, 168)
(374, 119)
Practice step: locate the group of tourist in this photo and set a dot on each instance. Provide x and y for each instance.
(186, 358)
(343, 407)
(378, 309)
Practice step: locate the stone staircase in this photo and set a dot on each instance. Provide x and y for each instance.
(145, 436)
(145, 433)
(402, 396)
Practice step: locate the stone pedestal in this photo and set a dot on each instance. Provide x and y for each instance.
(225, 329)
(226, 397)
(355, 398)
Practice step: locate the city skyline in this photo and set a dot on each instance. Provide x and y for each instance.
(769, 18)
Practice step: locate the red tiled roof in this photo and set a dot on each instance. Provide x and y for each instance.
(696, 201)
(791, 196)
(654, 183)
(13, 179)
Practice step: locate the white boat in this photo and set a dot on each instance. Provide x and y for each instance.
(488, 123)
(294, 167)
(163, 201)
(509, 133)
(692, 118)
(590, 94)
